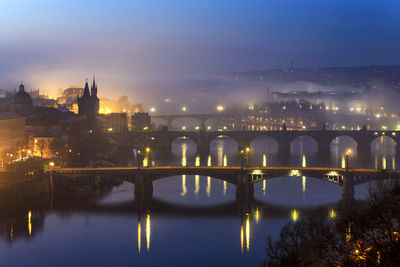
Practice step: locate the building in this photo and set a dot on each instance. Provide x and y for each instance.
(88, 103)
(69, 96)
(22, 102)
(141, 121)
(12, 135)
(114, 122)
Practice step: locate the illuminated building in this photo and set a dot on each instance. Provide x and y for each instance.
(12, 134)
(70, 96)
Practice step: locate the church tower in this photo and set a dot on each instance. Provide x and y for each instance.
(88, 103)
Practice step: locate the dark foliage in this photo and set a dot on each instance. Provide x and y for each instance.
(361, 235)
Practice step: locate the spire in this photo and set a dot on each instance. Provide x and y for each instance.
(21, 87)
(94, 87)
(86, 93)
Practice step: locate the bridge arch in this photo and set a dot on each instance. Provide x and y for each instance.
(218, 142)
(264, 144)
(384, 145)
(340, 144)
(303, 144)
(222, 177)
(183, 146)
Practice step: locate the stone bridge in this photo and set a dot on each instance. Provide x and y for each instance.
(162, 140)
(202, 118)
(243, 178)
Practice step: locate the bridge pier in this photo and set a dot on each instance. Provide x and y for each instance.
(203, 146)
(244, 189)
(143, 187)
(348, 187)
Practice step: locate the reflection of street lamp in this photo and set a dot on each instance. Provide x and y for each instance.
(242, 159)
(138, 159)
(348, 154)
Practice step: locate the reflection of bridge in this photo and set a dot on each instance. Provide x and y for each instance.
(202, 118)
(243, 178)
(162, 140)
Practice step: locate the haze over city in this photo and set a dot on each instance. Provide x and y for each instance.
(144, 48)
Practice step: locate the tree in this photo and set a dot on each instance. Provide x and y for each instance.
(361, 235)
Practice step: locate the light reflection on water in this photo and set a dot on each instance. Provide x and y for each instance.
(199, 217)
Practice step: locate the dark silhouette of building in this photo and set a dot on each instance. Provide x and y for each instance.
(88, 104)
(22, 102)
(141, 121)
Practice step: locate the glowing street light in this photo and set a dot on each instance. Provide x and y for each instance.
(147, 149)
(220, 108)
(152, 109)
(184, 108)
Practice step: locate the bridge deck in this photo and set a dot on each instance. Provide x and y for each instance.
(220, 168)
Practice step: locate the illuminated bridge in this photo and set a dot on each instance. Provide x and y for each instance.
(242, 178)
(162, 140)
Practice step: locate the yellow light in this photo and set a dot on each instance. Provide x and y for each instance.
(197, 128)
(295, 216)
(69, 150)
(184, 108)
(148, 229)
(139, 235)
(332, 214)
(248, 233)
(183, 128)
(184, 190)
(294, 173)
(145, 128)
(264, 160)
(209, 128)
(303, 162)
(257, 215)
(51, 164)
(224, 190)
(303, 182)
(247, 149)
(152, 109)
(348, 152)
(197, 184)
(241, 238)
(30, 222)
(147, 149)
(110, 129)
(264, 187)
(220, 108)
(208, 188)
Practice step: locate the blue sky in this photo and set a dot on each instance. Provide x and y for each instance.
(128, 43)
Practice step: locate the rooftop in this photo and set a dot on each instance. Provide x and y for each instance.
(9, 115)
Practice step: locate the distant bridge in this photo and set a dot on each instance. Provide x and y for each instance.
(162, 140)
(243, 178)
(202, 118)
